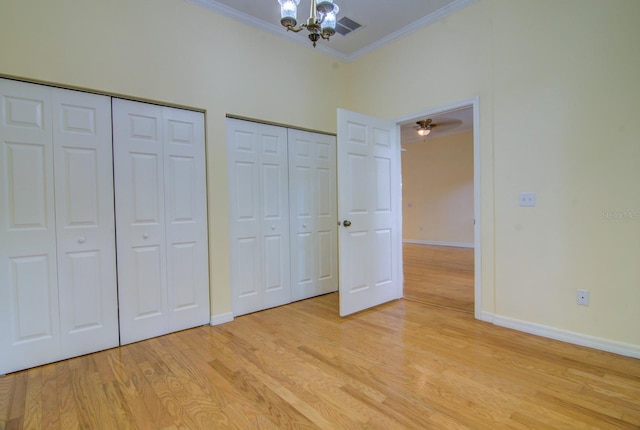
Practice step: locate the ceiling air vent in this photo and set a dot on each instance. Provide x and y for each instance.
(346, 25)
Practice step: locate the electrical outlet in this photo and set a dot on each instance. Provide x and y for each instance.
(528, 199)
(583, 297)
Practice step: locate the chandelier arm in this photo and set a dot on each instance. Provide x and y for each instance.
(296, 29)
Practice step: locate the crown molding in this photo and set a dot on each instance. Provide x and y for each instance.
(434, 16)
(278, 30)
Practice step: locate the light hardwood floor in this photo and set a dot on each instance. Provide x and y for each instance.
(401, 365)
(439, 276)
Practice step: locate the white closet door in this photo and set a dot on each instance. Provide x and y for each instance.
(259, 215)
(159, 165)
(313, 201)
(186, 218)
(85, 222)
(29, 315)
(140, 220)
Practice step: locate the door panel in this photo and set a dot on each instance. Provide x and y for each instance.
(148, 273)
(34, 318)
(140, 209)
(258, 216)
(29, 312)
(85, 284)
(368, 173)
(186, 218)
(25, 177)
(85, 221)
(276, 287)
(312, 193)
(245, 227)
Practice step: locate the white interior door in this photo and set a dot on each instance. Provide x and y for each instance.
(369, 208)
(29, 312)
(85, 227)
(258, 215)
(313, 214)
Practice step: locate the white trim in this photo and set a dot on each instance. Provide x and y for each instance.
(431, 242)
(434, 16)
(474, 103)
(278, 30)
(221, 318)
(486, 317)
(620, 348)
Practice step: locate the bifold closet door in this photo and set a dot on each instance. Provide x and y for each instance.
(57, 259)
(85, 226)
(161, 233)
(313, 212)
(258, 216)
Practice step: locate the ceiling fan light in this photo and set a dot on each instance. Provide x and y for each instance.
(424, 131)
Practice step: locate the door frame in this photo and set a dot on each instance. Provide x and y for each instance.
(473, 103)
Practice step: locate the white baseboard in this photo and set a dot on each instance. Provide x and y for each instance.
(620, 348)
(485, 316)
(431, 242)
(221, 318)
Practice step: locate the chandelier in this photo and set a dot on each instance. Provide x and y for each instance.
(321, 22)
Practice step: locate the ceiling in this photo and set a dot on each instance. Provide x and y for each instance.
(382, 20)
(447, 123)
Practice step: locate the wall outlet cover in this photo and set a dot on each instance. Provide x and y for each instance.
(527, 199)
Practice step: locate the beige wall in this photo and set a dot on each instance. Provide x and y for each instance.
(173, 52)
(558, 88)
(557, 82)
(437, 190)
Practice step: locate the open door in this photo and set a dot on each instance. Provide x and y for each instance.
(369, 209)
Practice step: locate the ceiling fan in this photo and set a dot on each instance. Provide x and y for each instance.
(424, 126)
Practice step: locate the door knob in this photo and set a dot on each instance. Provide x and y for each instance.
(346, 223)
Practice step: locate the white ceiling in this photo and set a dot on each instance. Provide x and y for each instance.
(382, 20)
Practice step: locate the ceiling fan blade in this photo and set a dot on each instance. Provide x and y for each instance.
(448, 123)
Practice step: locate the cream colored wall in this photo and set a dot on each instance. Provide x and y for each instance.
(437, 190)
(173, 52)
(558, 89)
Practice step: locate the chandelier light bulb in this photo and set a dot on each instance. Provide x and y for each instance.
(289, 12)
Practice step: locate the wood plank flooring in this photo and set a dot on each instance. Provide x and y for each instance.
(439, 276)
(402, 365)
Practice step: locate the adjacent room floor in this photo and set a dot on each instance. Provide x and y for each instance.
(439, 276)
